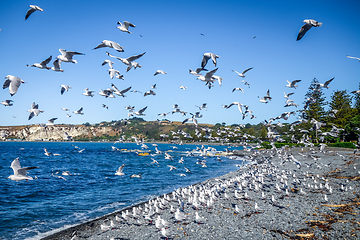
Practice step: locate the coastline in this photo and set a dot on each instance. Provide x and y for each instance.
(299, 210)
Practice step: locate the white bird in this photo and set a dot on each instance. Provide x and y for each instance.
(128, 61)
(180, 216)
(110, 44)
(114, 72)
(136, 176)
(262, 100)
(199, 219)
(165, 232)
(238, 89)
(108, 62)
(150, 92)
(208, 76)
(235, 103)
(353, 57)
(65, 109)
(46, 152)
(118, 92)
(125, 27)
(13, 83)
(287, 95)
(34, 111)
(64, 88)
(19, 172)
(7, 103)
(193, 119)
(66, 56)
(107, 93)
(206, 58)
(140, 112)
(159, 72)
(105, 106)
(42, 65)
(171, 167)
(57, 66)
(88, 93)
(292, 84)
(267, 97)
(197, 71)
(243, 73)
(79, 111)
(32, 9)
(325, 85)
(306, 27)
(119, 172)
(183, 87)
(51, 121)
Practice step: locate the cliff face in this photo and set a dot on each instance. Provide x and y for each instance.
(31, 133)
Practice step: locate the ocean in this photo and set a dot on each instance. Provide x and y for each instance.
(53, 201)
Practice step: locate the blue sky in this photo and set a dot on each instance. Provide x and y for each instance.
(171, 37)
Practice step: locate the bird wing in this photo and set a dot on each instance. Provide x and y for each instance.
(57, 64)
(101, 45)
(32, 114)
(29, 12)
(62, 90)
(15, 165)
(70, 54)
(353, 57)
(247, 70)
(204, 61)
(14, 85)
(116, 46)
(34, 106)
(294, 82)
(328, 82)
(212, 72)
(303, 30)
(121, 168)
(125, 90)
(6, 83)
(133, 58)
(80, 110)
(46, 61)
(213, 58)
(127, 24)
(142, 110)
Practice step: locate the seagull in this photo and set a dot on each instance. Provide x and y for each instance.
(79, 111)
(193, 119)
(171, 167)
(104, 106)
(140, 112)
(88, 93)
(57, 66)
(150, 92)
(353, 57)
(19, 172)
(65, 109)
(7, 103)
(32, 9)
(206, 58)
(267, 97)
(208, 76)
(153, 86)
(243, 73)
(119, 172)
(235, 103)
(46, 152)
(262, 100)
(34, 111)
(199, 219)
(238, 89)
(114, 72)
(356, 91)
(159, 72)
(42, 65)
(110, 44)
(51, 121)
(180, 216)
(287, 95)
(64, 88)
(108, 62)
(136, 176)
(202, 107)
(308, 24)
(107, 93)
(183, 87)
(13, 83)
(125, 27)
(120, 93)
(197, 71)
(128, 61)
(292, 84)
(325, 85)
(66, 56)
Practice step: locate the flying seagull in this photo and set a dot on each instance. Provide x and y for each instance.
(13, 83)
(159, 72)
(105, 106)
(325, 85)
(64, 88)
(125, 27)
(115, 73)
(19, 172)
(41, 65)
(57, 66)
(110, 44)
(118, 92)
(79, 111)
(88, 93)
(243, 73)
(128, 61)
(308, 24)
(32, 9)
(51, 121)
(140, 112)
(353, 57)
(119, 172)
(238, 89)
(197, 71)
(66, 56)
(34, 111)
(206, 58)
(108, 62)
(292, 84)
(150, 92)
(7, 103)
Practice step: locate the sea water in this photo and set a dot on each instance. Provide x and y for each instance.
(53, 201)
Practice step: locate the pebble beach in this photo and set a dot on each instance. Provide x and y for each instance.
(287, 193)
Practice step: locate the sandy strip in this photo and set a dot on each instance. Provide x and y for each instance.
(283, 194)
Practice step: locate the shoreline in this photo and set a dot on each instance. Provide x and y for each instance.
(241, 202)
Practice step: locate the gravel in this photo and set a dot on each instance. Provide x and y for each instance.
(297, 179)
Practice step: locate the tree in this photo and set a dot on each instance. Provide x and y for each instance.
(340, 107)
(315, 109)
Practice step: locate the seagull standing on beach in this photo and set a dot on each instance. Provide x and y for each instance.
(32, 9)
(13, 83)
(19, 172)
(306, 27)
